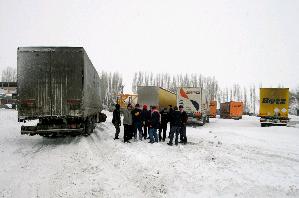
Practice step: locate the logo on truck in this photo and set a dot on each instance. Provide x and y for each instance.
(184, 95)
(274, 101)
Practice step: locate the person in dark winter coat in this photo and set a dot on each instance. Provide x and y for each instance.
(116, 120)
(184, 118)
(145, 117)
(127, 122)
(170, 112)
(154, 125)
(163, 126)
(176, 126)
(137, 122)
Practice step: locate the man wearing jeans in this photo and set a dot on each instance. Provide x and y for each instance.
(176, 126)
(154, 125)
(137, 122)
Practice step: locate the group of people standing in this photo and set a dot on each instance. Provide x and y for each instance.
(144, 124)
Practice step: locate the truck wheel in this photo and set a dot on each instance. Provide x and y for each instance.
(88, 126)
(102, 117)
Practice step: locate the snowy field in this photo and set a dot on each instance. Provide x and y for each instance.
(225, 158)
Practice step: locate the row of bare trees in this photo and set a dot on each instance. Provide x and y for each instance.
(111, 84)
(235, 93)
(9, 74)
(171, 82)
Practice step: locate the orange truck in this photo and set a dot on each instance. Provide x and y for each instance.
(213, 109)
(231, 110)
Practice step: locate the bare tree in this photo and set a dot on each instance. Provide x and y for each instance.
(9, 74)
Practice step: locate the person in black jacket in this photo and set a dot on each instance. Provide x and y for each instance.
(170, 112)
(154, 125)
(145, 117)
(184, 118)
(176, 126)
(163, 126)
(116, 120)
(137, 121)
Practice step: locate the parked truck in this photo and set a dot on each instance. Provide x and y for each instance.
(195, 102)
(60, 87)
(213, 109)
(274, 105)
(231, 110)
(155, 96)
(124, 99)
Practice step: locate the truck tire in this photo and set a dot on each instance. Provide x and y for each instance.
(89, 126)
(102, 117)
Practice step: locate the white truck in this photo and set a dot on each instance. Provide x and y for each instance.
(196, 104)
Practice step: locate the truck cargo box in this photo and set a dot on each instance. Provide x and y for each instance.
(236, 110)
(224, 110)
(124, 99)
(231, 110)
(195, 102)
(213, 109)
(57, 82)
(274, 105)
(155, 96)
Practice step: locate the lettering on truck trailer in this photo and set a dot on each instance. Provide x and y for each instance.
(274, 101)
(184, 95)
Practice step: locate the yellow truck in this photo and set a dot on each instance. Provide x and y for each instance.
(155, 96)
(124, 99)
(274, 105)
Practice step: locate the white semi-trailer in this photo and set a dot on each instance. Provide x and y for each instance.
(196, 104)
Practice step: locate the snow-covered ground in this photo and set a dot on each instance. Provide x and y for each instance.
(225, 158)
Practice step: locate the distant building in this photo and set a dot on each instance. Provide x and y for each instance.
(8, 87)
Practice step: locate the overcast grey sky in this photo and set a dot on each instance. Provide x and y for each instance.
(237, 41)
